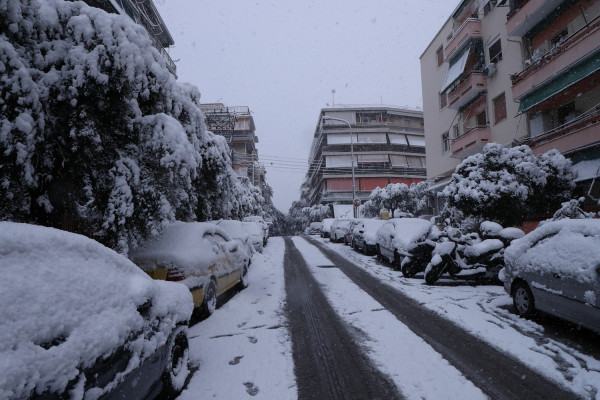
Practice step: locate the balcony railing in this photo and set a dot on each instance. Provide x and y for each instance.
(170, 63)
(516, 8)
(470, 142)
(578, 45)
(468, 89)
(586, 126)
(470, 28)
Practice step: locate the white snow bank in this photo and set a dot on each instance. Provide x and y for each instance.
(567, 247)
(67, 300)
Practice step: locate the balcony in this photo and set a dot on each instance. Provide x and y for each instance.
(526, 14)
(581, 132)
(467, 90)
(471, 142)
(575, 48)
(469, 29)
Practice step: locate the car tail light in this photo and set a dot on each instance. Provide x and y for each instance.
(174, 274)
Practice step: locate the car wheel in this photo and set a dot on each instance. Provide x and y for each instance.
(177, 368)
(210, 298)
(244, 278)
(397, 260)
(409, 268)
(378, 253)
(523, 300)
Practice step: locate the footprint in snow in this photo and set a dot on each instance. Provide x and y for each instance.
(236, 360)
(261, 312)
(252, 339)
(241, 324)
(251, 389)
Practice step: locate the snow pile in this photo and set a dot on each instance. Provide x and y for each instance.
(484, 247)
(566, 247)
(67, 300)
(490, 229)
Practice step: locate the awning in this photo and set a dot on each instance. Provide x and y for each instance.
(563, 81)
(459, 8)
(457, 67)
(587, 169)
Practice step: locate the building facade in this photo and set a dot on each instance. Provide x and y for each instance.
(385, 144)
(236, 124)
(143, 12)
(558, 84)
(467, 96)
(515, 72)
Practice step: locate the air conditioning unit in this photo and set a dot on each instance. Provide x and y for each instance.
(490, 70)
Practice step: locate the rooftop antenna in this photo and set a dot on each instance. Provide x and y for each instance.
(333, 97)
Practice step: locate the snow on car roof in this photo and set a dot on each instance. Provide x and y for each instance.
(410, 229)
(182, 244)
(67, 300)
(567, 246)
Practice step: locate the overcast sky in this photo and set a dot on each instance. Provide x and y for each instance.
(282, 59)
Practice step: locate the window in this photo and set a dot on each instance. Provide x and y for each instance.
(495, 51)
(481, 119)
(487, 8)
(455, 132)
(499, 108)
(440, 55)
(443, 100)
(559, 37)
(445, 142)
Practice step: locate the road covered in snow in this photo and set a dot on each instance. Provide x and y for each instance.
(322, 321)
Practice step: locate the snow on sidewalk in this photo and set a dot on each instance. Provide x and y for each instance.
(417, 369)
(484, 311)
(244, 348)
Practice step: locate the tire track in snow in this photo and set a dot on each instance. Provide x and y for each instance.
(495, 373)
(327, 362)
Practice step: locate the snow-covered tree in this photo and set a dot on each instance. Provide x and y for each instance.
(95, 131)
(399, 197)
(507, 184)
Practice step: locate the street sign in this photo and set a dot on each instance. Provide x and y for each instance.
(356, 202)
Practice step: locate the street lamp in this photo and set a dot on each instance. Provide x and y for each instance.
(327, 118)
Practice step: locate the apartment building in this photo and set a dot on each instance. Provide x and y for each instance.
(236, 124)
(143, 12)
(557, 87)
(384, 144)
(515, 72)
(467, 96)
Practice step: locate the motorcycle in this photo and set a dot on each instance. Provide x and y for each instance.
(418, 254)
(468, 256)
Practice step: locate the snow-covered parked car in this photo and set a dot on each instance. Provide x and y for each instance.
(315, 228)
(257, 219)
(339, 228)
(200, 255)
(556, 269)
(248, 234)
(364, 235)
(395, 236)
(254, 232)
(326, 227)
(79, 320)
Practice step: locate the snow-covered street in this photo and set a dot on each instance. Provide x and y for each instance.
(245, 347)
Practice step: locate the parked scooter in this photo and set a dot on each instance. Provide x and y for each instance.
(469, 256)
(418, 254)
